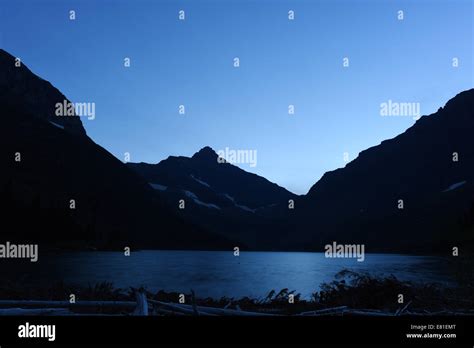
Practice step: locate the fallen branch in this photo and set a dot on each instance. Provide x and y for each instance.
(142, 304)
(326, 311)
(162, 311)
(66, 304)
(208, 310)
(368, 313)
(188, 310)
(400, 311)
(35, 312)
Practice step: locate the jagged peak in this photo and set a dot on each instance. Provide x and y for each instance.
(24, 91)
(206, 154)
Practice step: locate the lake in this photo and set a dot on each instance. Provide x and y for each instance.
(219, 273)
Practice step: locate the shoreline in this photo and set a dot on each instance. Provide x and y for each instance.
(349, 292)
(52, 249)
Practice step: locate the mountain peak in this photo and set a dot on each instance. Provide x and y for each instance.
(206, 154)
(29, 94)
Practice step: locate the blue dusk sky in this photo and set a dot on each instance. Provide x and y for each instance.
(282, 62)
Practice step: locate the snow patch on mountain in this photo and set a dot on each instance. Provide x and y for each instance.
(229, 197)
(198, 201)
(455, 186)
(56, 124)
(158, 186)
(200, 181)
(243, 207)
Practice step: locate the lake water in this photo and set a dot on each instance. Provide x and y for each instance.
(220, 273)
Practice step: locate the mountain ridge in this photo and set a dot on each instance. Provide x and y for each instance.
(416, 167)
(216, 195)
(428, 170)
(17, 84)
(59, 187)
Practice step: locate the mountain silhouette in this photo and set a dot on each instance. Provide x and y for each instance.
(59, 187)
(206, 154)
(414, 192)
(30, 95)
(218, 195)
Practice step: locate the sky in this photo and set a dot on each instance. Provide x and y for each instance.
(300, 62)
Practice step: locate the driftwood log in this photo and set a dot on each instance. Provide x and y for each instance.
(326, 311)
(67, 304)
(144, 306)
(188, 309)
(35, 311)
